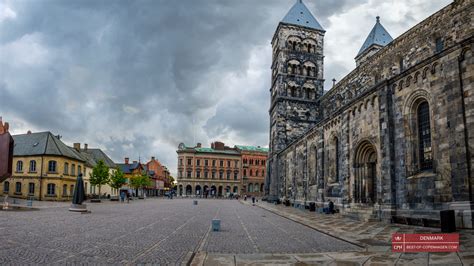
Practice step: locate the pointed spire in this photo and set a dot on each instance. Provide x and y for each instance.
(377, 36)
(300, 15)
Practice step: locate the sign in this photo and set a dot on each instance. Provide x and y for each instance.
(425, 242)
(6, 152)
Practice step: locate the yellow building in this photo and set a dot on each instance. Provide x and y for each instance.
(92, 157)
(44, 168)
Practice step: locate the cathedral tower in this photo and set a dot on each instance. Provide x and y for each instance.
(297, 81)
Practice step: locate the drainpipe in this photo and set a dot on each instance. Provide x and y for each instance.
(466, 137)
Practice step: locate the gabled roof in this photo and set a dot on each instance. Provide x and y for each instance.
(251, 148)
(377, 36)
(98, 154)
(128, 168)
(42, 143)
(300, 15)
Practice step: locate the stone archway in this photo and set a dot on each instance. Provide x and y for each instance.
(365, 173)
(198, 190)
(205, 191)
(213, 190)
(189, 190)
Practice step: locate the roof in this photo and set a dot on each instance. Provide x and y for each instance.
(42, 143)
(251, 148)
(98, 154)
(301, 16)
(377, 36)
(211, 150)
(128, 168)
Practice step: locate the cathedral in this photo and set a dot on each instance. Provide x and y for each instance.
(393, 140)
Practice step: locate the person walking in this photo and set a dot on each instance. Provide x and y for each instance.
(253, 200)
(122, 197)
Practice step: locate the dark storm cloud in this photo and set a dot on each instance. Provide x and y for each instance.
(138, 77)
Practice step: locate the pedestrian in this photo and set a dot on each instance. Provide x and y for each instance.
(128, 197)
(331, 207)
(253, 200)
(122, 197)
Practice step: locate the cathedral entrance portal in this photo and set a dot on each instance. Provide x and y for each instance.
(365, 174)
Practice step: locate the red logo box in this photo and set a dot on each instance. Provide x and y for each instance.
(425, 242)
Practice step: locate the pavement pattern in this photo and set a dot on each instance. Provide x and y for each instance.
(156, 231)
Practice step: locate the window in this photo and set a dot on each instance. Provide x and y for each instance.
(51, 189)
(206, 175)
(222, 163)
(64, 190)
(19, 166)
(79, 170)
(198, 162)
(228, 175)
(31, 188)
(180, 175)
(52, 166)
(66, 168)
(256, 173)
(236, 164)
(206, 162)
(32, 166)
(228, 163)
(336, 145)
(245, 172)
(236, 175)
(221, 175)
(73, 169)
(18, 188)
(189, 162)
(180, 161)
(213, 162)
(439, 45)
(198, 174)
(189, 174)
(424, 136)
(6, 187)
(213, 175)
(400, 63)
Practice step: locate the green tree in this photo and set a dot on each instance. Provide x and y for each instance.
(140, 181)
(100, 175)
(117, 179)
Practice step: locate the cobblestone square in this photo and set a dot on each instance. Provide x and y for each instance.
(156, 231)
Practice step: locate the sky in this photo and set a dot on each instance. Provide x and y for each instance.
(136, 78)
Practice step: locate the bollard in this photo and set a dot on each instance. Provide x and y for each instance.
(216, 225)
(195, 202)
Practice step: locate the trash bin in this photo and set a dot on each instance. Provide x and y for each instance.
(312, 207)
(448, 221)
(216, 225)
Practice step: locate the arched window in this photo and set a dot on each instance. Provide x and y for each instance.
(31, 188)
(6, 187)
(66, 168)
(18, 188)
(79, 170)
(64, 190)
(52, 166)
(250, 188)
(32, 166)
(19, 166)
(51, 189)
(424, 137)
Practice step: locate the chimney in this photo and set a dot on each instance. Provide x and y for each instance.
(3, 127)
(333, 82)
(126, 160)
(77, 146)
(85, 146)
(152, 158)
(199, 145)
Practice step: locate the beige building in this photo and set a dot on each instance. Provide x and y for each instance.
(208, 172)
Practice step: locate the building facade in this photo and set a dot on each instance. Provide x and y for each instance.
(253, 169)
(220, 171)
(160, 175)
(44, 168)
(392, 139)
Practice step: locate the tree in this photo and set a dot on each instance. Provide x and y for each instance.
(140, 181)
(117, 179)
(100, 175)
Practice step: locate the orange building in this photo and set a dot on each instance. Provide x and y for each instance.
(160, 174)
(253, 169)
